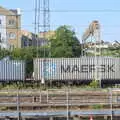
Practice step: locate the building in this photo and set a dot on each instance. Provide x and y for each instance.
(27, 38)
(10, 25)
(30, 39)
(115, 44)
(47, 35)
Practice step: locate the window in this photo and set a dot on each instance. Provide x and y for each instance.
(12, 35)
(11, 22)
(0, 21)
(25, 43)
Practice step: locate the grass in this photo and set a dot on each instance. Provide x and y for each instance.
(28, 89)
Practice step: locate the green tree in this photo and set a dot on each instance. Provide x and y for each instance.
(4, 53)
(65, 43)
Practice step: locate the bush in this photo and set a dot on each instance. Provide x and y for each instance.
(94, 84)
(97, 106)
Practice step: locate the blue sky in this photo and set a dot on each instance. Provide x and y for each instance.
(109, 17)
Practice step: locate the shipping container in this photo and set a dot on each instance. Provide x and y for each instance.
(83, 68)
(12, 70)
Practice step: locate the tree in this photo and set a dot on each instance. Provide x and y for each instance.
(4, 53)
(65, 43)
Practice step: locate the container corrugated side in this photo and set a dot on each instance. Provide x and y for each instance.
(77, 68)
(12, 70)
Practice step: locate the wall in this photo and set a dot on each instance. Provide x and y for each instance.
(4, 41)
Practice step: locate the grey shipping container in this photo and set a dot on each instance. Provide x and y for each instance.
(12, 70)
(84, 68)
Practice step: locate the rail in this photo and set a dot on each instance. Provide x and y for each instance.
(59, 98)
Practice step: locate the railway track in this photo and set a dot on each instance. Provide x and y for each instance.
(51, 99)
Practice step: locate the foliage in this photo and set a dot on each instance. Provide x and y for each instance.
(4, 52)
(98, 106)
(111, 51)
(94, 84)
(65, 43)
(115, 52)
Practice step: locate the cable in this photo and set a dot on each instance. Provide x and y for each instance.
(78, 25)
(32, 25)
(70, 10)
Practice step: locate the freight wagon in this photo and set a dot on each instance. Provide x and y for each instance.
(12, 70)
(82, 69)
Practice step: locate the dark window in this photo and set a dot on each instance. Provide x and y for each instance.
(11, 22)
(25, 43)
(12, 35)
(0, 22)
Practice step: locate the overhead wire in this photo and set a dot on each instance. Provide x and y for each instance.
(77, 10)
(57, 25)
(69, 11)
(77, 25)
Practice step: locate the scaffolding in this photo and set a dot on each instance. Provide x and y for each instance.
(94, 31)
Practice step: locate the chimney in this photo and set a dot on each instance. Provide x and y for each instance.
(18, 11)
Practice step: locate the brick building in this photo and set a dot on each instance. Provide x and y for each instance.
(10, 25)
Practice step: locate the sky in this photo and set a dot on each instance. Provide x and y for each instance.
(107, 12)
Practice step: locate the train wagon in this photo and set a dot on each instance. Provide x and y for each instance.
(83, 68)
(12, 70)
